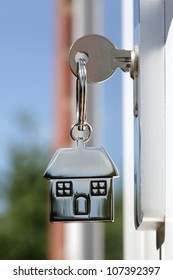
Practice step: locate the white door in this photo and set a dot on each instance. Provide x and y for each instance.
(153, 132)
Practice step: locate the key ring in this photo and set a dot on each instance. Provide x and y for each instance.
(81, 94)
(76, 138)
(81, 103)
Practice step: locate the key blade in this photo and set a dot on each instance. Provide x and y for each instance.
(121, 59)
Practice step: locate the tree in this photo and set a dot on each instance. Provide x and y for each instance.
(23, 226)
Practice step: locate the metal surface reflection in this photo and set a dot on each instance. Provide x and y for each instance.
(81, 187)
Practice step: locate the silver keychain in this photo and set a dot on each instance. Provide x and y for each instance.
(81, 178)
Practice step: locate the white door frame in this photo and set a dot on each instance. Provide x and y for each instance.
(154, 150)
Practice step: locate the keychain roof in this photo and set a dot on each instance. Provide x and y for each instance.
(91, 162)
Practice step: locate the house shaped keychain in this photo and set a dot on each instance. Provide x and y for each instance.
(81, 178)
(81, 187)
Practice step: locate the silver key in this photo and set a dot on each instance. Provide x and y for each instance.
(101, 55)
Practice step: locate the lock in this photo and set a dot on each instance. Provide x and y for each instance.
(81, 184)
(81, 178)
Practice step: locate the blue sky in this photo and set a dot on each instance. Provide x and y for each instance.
(26, 86)
(26, 75)
(113, 95)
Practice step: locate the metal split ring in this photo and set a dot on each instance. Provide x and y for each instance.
(81, 94)
(76, 138)
(78, 130)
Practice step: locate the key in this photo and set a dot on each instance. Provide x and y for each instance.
(101, 55)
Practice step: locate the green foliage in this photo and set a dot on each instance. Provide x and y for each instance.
(114, 235)
(24, 223)
(23, 226)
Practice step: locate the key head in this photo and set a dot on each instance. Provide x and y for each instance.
(99, 52)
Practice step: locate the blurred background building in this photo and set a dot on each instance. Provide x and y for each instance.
(37, 110)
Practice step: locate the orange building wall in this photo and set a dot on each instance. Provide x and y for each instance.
(62, 106)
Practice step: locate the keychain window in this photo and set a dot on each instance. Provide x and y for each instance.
(64, 188)
(98, 188)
